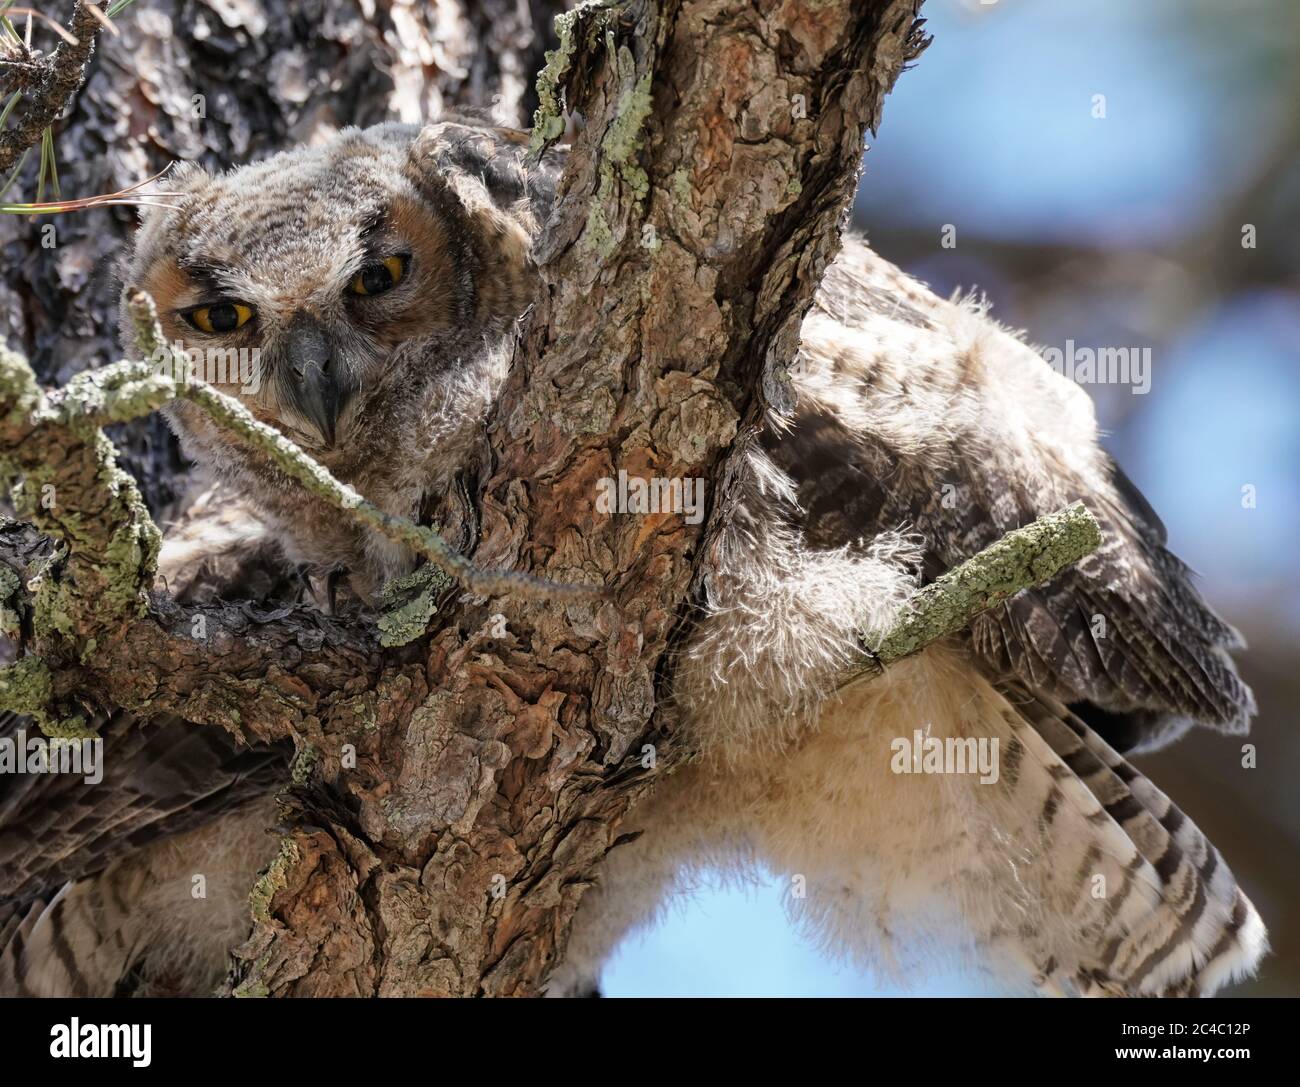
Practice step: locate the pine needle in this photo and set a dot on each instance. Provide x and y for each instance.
(130, 196)
(47, 139)
(9, 107)
(31, 14)
(5, 25)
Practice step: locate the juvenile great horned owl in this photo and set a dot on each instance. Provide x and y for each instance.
(382, 275)
(380, 279)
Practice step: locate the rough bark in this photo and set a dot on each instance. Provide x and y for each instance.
(450, 861)
(48, 83)
(453, 797)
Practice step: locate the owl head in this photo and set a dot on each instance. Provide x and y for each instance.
(323, 282)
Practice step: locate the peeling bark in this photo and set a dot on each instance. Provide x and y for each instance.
(468, 834)
(453, 797)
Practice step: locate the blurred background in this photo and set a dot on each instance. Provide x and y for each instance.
(1099, 165)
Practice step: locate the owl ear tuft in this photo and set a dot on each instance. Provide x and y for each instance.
(476, 181)
(186, 176)
(493, 158)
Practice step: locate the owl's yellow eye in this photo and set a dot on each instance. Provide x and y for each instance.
(221, 318)
(379, 276)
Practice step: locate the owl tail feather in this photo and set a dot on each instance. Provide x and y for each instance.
(76, 943)
(1158, 912)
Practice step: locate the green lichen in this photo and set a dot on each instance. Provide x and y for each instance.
(408, 603)
(70, 728)
(1023, 558)
(253, 987)
(621, 146)
(26, 686)
(597, 235)
(10, 620)
(123, 565)
(117, 393)
(52, 599)
(116, 545)
(20, 392)
(548, 119)
(681, 185)
(131, 557)
(304, 764)
(626, 133)
(273, 880)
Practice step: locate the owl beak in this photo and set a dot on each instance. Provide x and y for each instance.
(315, 387)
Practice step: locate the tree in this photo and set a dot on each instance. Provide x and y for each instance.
(453, 796)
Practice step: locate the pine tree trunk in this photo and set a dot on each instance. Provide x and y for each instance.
(453, 799)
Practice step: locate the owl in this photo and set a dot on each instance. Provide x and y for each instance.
(976, 798)
(360, 296)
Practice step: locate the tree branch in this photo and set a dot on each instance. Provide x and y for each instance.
(50, 89)
(1029, 556)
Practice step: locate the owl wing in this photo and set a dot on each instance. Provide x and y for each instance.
(1125, 635)
(1150, 908)
(924, 414)
(162, 776)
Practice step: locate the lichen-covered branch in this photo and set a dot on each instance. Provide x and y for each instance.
(48, 84)
(1029, 556)
(73, 492)
(103, 638)
(262, 672)
(26, 687)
